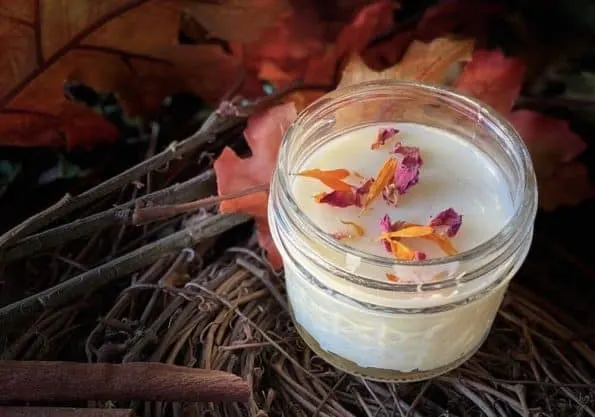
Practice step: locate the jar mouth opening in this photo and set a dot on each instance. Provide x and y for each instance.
(524, 198)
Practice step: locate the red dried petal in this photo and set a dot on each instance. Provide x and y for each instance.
(345, 198)
(407, 173)
(447, 221)
(390, 194)
(384, 134)
(420, 256)
(362, 191)
(407, 151)
(386, 225)
(338, 198)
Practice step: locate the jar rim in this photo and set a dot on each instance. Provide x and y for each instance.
(523, 214)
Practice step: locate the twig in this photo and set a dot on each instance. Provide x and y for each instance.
(547, 371)
(151, 214)
(65, 381)
(196, 187)
(68, 203)
(418, 397)
(64, 412)
(104, 274)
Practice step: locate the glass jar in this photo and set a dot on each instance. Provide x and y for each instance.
(398, 331)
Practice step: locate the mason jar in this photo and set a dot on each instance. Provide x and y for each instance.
(405, 331)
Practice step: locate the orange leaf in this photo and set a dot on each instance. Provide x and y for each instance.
(331, 178)
(383, 178)
(105, 45)
(492, 78)
(264, 133)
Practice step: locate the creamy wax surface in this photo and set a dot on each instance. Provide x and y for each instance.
(348, 324)
(454, 174)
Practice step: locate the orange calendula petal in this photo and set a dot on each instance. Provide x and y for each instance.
(444, 243)
(401, 251)
(383, 178)
(411, 231)
(331, 178)
(318, 197)
(392, 277)
(359, 230)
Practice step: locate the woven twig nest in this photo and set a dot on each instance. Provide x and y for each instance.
(225, 317)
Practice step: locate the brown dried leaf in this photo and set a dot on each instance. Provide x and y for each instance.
(427, 62)
(108, 45)
(236, 20)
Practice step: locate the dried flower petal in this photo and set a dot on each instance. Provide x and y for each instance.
(331, 178)
(409, 231)
(447, 222)
(391, 194)
(359, 230)
(407, 150)
(345, 198)
(444, 243)
(386, 226)
(337, 198)
(403, 253)
(407, 173)
(392, 277)
(383, 178)
(384, 134)
(342, 235)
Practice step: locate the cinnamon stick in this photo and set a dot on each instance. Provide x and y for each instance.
(66, 381)
(64, 412)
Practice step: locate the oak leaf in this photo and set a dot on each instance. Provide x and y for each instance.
(303, 45)
(497, 80)
(554, 147)
(422, 61)
(492, 78)
(105, 45)
(236, 20)
(263, 133)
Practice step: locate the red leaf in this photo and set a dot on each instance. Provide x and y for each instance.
(468, 17)
(569, 186)
(299, 45)
(492, 78)
(263, 134)
(544, 133)
(553, 147)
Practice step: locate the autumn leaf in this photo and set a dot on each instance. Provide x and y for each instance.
(553, 147)
(299, 45)
(492, 78)
(427, 62)
(105, 45)
(236, 20)
(497, 80)
(263, 133)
